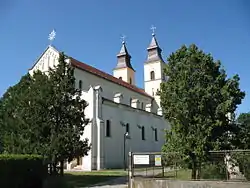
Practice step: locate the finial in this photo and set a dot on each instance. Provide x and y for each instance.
(123, 39)
(153, 28)
(52, 36)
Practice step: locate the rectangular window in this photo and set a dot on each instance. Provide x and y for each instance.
(108, 131)
(156, 138)
(127, 128)
(143, 133)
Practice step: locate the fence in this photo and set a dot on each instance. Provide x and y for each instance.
(230, 165)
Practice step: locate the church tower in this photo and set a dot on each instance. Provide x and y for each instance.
(124, 69)
(153, 69)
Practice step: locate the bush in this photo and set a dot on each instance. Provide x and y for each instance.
(243, 161)
(213, 171)
(22, 171)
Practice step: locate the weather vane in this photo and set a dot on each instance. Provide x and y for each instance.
(52, 36)
(123, 39)
(153, 28)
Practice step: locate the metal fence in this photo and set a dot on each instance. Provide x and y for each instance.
(146, 164)
(230, 165)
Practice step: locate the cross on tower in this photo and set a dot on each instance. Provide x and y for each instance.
(153, 28)
(123, 39)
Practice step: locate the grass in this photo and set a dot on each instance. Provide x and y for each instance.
(83, 179)
(182, 174)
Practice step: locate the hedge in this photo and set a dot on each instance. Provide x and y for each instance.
(22, 171)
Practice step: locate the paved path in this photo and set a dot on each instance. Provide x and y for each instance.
(122, 182)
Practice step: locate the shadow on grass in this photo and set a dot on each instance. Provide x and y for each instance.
(91, 180)
(79, 181)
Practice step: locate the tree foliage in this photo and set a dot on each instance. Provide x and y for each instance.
(44, 114)
(196, 100)
(66, 114)
(243, 125)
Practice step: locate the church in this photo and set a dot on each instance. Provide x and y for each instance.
(123, 117)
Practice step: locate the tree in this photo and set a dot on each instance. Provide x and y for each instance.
(67, 117)
(44, 114)
(24, 113)
(12, 124)
(196, 100)
(243, 125)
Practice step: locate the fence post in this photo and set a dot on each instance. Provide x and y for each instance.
(130, 170)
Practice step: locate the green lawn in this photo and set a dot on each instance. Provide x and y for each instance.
(147, 169)
(82, 179)
(182, 174)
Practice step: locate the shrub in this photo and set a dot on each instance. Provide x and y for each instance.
(213, 171)
(22, 171)
(243, 161)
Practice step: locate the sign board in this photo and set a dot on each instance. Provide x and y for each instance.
(157, 160)
(141, 159)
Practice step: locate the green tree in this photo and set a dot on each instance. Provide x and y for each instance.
(24, 113)
(242, 141)
(243, 125)
(44, 114)
(13, 128)
(196, 99)
(66, 115)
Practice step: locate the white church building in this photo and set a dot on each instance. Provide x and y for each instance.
(123, 117)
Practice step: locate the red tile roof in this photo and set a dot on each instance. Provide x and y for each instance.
(101, 74)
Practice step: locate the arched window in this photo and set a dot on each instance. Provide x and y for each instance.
(108, 130)
(152, 75)
(80, 84)
(143, 133)
(120, 78)
(130, 80)
(127, 128)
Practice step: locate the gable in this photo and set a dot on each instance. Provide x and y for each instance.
(49, 58)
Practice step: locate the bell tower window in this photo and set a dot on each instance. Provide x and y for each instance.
(152, 75)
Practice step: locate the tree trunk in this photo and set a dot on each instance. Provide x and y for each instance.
(50, 169)
(194, 169)
(54, 168)
(194, 165)
(61, 167)
(199, 171)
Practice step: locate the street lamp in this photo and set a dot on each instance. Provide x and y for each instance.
(126, 135)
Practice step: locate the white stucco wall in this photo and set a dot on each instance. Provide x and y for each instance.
(151, 86)
(126, 74)
(110, 88)
(113, 153)
(48, 59)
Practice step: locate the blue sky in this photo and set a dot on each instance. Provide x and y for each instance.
(90, 31)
